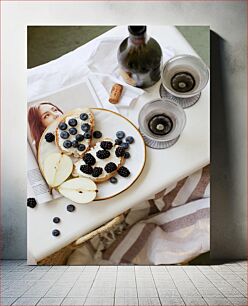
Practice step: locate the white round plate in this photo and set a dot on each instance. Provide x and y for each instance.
(108, 123)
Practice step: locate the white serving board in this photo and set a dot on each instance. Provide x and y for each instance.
(162, 168)
(108, 123)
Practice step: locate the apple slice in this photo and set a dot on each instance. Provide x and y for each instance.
(80, 190)
(57, 168)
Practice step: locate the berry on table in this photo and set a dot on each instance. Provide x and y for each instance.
(119, 151)
(120, 134)
(127, 155)
(84, 116)
(113, 180)
(87, 169)
(97, 134)
(64, 135)
(97, 171)
(123, 171)
(56, 219)
(74, 144)
(81, 147)
(73, 131)
(110, 167)
(55, 233)
(72, 122)
(89, 159)
(70, 208)
(79, 137)
(87, 135)
(49, 137)
(125, 145)
(67, 144)
(85, 127)
(62, 126)
(106, 145)
(102, 154)
(31, 202)
(129, 139)
(118, 141)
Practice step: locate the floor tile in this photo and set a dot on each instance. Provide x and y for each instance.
(238, 301)
(7, 301)
(126, 292)
(27, 301)
(149, 301)
(194, 301)
(147, 292)
(50, 301)
(217, 301)
(121, 301)
(164, 292)
(99, 301)
(166, 301)
(73, 301)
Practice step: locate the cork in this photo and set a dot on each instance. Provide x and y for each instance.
(115, 94)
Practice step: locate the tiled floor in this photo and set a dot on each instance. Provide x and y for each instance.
(123, 285)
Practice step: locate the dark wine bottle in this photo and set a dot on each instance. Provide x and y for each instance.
(140, 58)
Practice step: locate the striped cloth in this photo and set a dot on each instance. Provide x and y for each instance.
(171, 228)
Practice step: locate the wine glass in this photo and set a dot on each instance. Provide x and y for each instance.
(161, 123)
(183, 79)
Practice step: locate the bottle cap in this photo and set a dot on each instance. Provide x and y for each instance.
(137, 30)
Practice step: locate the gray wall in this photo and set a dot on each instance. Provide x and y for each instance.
(228, 105)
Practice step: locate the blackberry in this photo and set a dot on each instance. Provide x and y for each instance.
(67, 144)
(74, 144)
(129, 139)
(72, 122)
(87, 169)
(119, 151)
(31, 202)
(56, 219)
(84, 116)
(73, 131)
(118, 141)
(123, 171)
(113, 180)
(49, 137)
(102, 154)
(110, 167)
(97, 134)
(85, 127)
(55, 233)
(62, 126)
(81, 147)
(70, 208)
(125, 145)
(89, 159)
(87, 135)
(64, 135)
(79, 137)
(106, 145)
(127, 155)
(97, 171)
(120, 135)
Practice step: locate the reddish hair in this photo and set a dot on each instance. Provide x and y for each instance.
(35, 123)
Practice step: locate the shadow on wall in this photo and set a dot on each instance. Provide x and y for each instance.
(223, 209)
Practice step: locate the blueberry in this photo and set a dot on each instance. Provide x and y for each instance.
(85, 127)
(129, 139)
(79, 137)
(120, 135)
(125, 145)
(87, 135)
(49, 137)
(56, 219)
(127, 155)
(81, 147)
(31, 202)
(67, 144)
(118, 141)
(55, 233)
(64, 135)
(113, 180)
(72, 122)
(70, 208)
(97, 134)
(62, 126)
(73, 131)
(84, 116)
(74, 144)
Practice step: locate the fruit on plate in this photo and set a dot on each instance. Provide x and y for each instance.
(79, 190)
(57, 168)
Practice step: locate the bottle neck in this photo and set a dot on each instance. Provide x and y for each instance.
(138, 40)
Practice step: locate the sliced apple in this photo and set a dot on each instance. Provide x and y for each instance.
(80, 190)
(57, 168)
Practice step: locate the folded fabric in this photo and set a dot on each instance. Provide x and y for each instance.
(171, 228)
